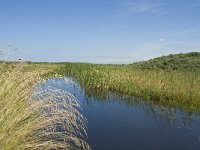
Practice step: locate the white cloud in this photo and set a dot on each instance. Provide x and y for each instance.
(144, 6)
(151, 50)
(185, 31)
(192, 4)
(162, 39)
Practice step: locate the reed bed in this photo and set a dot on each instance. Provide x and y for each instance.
(31, 121)
(176, 88)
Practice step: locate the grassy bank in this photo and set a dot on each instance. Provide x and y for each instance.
(23, 122)
(172, 80)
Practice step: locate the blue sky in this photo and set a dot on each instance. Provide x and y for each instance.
(98, 31)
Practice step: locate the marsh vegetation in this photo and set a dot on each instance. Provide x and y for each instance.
(172, 80)
(25, 122)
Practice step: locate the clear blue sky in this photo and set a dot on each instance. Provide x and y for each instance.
(98, 31)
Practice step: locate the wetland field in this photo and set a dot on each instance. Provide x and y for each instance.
(151, 104)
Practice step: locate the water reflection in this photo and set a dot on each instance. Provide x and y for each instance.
(64, 126)
(111, 114)
(164, 115)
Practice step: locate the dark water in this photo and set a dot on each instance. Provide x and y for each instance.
(118, 122)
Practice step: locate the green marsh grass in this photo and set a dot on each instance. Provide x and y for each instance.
(175, 88)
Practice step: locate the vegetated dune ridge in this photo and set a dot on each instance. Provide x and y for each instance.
(184, 62)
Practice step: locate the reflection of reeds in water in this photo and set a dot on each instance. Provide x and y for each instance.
(164, 115)
(64, 124)
(29, 124)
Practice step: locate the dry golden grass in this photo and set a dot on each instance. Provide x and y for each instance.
(29, 123)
